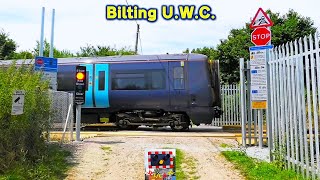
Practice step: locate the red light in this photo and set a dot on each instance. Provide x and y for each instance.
(80, 76)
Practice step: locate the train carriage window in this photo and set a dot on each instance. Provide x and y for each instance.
(178, 77)
(129, 82)
(157, 80)
(102, 80)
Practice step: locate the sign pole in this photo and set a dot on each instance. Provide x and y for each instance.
(78, 121)
(80, 95)
(259, 66)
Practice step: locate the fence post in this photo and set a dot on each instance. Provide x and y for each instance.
(249, 102)
(269, 115)
(243, 102)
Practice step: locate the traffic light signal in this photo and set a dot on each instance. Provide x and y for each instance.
(80, 76)
(80, 88)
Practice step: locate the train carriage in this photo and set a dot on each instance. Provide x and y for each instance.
(154, 90)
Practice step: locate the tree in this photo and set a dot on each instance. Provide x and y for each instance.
(286, 28)
(92, 51)
(56, 53)
(7, 46)
(289, 27)
(23, 55)
(211, 52)
(230, 51)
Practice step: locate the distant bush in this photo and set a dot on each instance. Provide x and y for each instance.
(21, 136)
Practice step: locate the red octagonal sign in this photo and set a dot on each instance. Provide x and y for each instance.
(261, 36)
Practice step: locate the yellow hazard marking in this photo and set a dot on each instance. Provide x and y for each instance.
(106, 120)
(259, 104)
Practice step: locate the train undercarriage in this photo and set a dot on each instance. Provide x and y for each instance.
(178, 121)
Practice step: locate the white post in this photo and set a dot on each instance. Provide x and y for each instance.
(66, 123)
(71, 121)
(243, 103)
(78, 121)
(52, 34)
(260, 119)
(42, 33)
(268, 113)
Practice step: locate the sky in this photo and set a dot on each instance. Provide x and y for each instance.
(82, 22)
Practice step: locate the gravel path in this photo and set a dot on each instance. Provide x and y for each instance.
(123, 157)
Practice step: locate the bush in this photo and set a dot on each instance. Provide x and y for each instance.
(21, 136)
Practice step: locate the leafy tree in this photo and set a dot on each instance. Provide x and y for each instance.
(92, 51)
(23, 55)
(230, 50)
(7, 46)
(211, 52)
(286, 28)
(56, 53)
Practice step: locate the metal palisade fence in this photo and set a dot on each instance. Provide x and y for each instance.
(62, 116)
(230, 100)
(295, 99)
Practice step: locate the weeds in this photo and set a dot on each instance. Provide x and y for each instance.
(254, 169)
(185, 166)
(52, 165)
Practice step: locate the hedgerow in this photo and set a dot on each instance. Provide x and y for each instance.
(21, 136)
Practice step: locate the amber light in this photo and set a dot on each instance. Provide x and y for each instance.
(80, 76)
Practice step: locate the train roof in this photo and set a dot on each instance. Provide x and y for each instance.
(115, 59)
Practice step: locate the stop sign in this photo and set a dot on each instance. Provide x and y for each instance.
(261, 36)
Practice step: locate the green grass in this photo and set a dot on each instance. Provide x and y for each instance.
(224, 145)
(185, 167)
(51, 166)
(253, 169)
(179, 160)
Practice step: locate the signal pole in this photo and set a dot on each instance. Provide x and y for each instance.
(138, 31)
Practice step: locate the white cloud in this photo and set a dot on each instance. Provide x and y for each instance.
(79, 22)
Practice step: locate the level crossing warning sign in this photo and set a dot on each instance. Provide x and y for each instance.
(261, 19)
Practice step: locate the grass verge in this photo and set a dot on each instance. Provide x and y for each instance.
(53, 165)
(254, 169)
(185, 167)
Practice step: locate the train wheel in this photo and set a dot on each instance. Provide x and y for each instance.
(184, 126)
(122, 124)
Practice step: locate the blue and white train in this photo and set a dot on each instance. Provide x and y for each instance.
(153, 90)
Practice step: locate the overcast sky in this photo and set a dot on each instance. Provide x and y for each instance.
(81, 22)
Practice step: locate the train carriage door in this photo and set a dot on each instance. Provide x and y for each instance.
(178, 85)
(89, 86)
(101, 85)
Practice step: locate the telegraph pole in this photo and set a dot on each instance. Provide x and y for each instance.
(138, 31)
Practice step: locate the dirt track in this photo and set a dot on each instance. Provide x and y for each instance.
(124, 157)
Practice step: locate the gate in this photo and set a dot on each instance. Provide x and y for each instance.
(230, 105)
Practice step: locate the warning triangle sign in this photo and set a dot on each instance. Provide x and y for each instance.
(261, 19)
